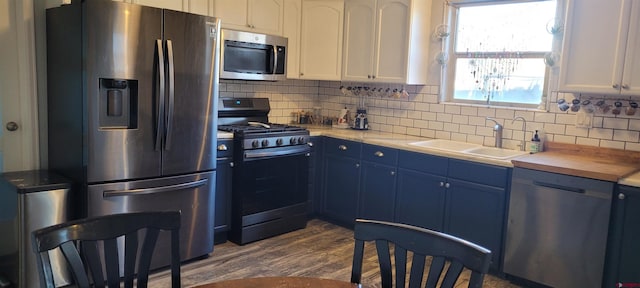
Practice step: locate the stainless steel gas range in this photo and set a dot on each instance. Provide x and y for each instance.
(270, 175)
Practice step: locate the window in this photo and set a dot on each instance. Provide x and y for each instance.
(497, 51)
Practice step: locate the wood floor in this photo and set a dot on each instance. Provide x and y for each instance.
(321, 250)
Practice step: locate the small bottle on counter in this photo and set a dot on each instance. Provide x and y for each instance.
(536, 144)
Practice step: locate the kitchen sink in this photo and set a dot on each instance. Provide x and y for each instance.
(447, 145)
(468, 149)
(492, 152)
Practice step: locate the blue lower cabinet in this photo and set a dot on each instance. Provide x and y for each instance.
(420, 199)
(623, 250)
(341, 185)
(377, 191)
(463, 198)
(476, 212)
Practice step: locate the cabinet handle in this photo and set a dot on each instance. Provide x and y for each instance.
(310, 144)
(373, 76)
(615, 86)
(447, 185)
(393, 173)
(621, 196)
(625, 86)
(441, 184)
(222, 147)
(301, 74)
(342, 147)
(379, 154)
(231, 164)
(357, 165)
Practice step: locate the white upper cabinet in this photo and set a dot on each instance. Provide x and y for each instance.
(321, 39)
(386, 41)
(292, 25)
(262, 16)
(601, 48)
(167, 4)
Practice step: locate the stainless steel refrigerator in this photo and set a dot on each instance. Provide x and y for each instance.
(132, 113)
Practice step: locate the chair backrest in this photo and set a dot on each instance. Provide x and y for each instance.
(444, 248)
(79, 241)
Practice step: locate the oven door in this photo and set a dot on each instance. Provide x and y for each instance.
(266, 187)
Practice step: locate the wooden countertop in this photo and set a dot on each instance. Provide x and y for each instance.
(583, 161)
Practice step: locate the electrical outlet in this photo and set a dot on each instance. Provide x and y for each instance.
(584, 120)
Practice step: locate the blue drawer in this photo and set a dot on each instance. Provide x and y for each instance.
(379, 154)
(342, 147)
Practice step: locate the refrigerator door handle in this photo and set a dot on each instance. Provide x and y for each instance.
(160, 96)
(154, 190)
(167, 143)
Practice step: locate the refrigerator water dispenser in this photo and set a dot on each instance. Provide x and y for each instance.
(118, 103)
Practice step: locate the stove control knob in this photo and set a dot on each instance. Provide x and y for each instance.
(279, 142)
(301, 140)
(265, 143)
(292, 141)
(255, 144)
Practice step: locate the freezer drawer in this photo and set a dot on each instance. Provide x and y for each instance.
(193, 195)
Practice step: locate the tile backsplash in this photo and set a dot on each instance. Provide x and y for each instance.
(421, 114)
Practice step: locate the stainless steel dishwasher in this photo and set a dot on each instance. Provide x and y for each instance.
(557, 228)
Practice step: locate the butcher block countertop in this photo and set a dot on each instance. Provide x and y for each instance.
(583, 161)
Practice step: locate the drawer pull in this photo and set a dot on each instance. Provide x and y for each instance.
(379, 154)
(222, 147)
(621, 196)
(342, 147)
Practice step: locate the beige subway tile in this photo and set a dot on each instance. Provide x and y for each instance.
(615, 123)
(626, 136)
(427, 133)
(436, 125)
(443, 135)
(612, 144)
(460, 119)
(444, 117)
(452, 109)
(554, 128)
(469, 110)
(587, 141)
(601, 133)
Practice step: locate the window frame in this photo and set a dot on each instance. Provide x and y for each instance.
(449, 56)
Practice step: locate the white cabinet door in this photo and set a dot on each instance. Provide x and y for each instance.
(631, 73)
(386, 41)
(266, 16)
(359, 40)
(263, 16)
(291, 30)
(392, 44)
(202, 7)
(593, 52)
(233, 13)
(321, 39)
(167, 4)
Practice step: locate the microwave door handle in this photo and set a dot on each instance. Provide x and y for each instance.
(161, 86)
(171, 75)
(275, 59)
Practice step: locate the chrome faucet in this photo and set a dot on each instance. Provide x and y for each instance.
(524, 131)
(498, 129)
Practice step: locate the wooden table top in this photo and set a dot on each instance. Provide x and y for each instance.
(280, 282)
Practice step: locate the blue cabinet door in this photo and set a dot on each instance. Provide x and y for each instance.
(475, 212)
(341, 186)
(377, 191)
(315, 175)
(420, 199)
(623, 249)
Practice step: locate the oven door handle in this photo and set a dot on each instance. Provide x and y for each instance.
(270, 153)
(153, 190)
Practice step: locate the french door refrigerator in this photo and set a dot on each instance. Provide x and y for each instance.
(132, 113)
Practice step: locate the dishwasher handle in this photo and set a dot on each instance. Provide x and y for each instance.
(559, 187)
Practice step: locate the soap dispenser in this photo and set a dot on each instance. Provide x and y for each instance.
(536, 144)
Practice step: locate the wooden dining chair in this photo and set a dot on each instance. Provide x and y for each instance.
(79, 242)
(445, 249)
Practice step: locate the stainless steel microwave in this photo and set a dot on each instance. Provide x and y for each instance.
(252, 56)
